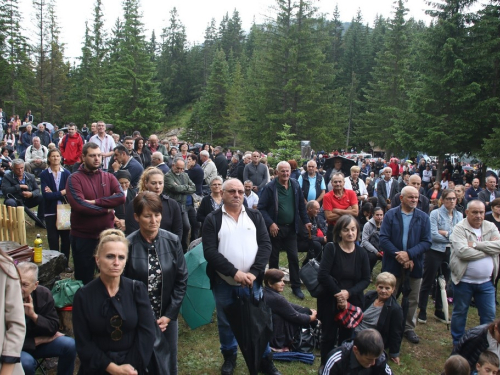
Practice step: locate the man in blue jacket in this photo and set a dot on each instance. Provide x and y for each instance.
(282, 206)
(405, 236)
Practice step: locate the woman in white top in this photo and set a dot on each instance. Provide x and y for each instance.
(353, 182)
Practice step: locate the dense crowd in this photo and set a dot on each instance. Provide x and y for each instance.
(138, 203)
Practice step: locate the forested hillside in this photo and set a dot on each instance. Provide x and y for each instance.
(394, 82)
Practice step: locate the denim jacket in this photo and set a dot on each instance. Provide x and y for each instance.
(441, 221)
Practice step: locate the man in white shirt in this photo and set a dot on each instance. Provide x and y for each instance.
(105, 142)
(251, 198)
(36, 156)
(237, 247)
(475, 245)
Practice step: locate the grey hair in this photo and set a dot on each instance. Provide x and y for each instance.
(474, 202)
(204, 153)
(282, 163)
(248, 182)
(247, 156)
(337, 174)
(35, 138)
(179, 159)
(17, 162)
(218, 148)
(224, 185)
(235, 157)
(312, 161)
(28, 267)
(310, 204)
(217, 178)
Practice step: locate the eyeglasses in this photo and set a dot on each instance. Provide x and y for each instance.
(216, 184)
(233, 191)
(116, 322)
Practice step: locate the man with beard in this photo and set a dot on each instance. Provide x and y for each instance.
(92, 194)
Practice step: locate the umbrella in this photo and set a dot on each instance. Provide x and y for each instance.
(468, 168)
(346, 164)
(409, 161)
(307, 358)
(198, 305)
(47, 125)
(251, 323)
(444, 299)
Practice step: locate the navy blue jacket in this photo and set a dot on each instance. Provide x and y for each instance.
(47, 179)
(196, 175)
(391, 240)
(268, 204)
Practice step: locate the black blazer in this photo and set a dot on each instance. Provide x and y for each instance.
(382, 195)
(48, 320)
(390, 322)
(92, 312)
(122, 208)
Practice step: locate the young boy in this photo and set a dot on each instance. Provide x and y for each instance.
(456, 365)
(487, 364)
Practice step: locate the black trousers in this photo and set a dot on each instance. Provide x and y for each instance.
(30, 203)
(372, 258)
(83, 258)
(185, 230)
(53, 235)
(195, 225)
(286, 240)
(312, 248)
(433, 260)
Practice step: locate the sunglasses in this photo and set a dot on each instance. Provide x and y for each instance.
(116, 322)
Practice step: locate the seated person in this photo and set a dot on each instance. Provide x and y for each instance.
(36, 156)
(477, 340)
(318, 233)
(365, 354)
(42, 338)
(487, 364)
(456, 365)
(287, 317)
(21, 189)
(383, 313)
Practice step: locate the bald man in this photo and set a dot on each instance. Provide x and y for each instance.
(404, 250)
(423, 201)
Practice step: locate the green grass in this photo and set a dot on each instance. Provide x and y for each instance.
(199, 349)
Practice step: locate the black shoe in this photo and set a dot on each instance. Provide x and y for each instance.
(422, 316)
(229, 364)
(298, 293)
(412, 337)
(439, 315)
(267, 366)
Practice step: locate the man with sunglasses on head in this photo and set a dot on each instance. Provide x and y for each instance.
(237, 247)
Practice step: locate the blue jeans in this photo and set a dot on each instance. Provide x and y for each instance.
(225, 295)
(484, 297)
(63, 347)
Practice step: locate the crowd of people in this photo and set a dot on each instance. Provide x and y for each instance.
(137, 204)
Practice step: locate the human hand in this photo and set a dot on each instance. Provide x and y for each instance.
(408, 265)
(63, 192)
(379, 254)
(27, 194)
(115, 166)
(47, 189)
(402, 257)
(29, 309)
(124, 370)
(274, 229)
(163, 323)
(342, 295)
(395, 360)
(255, 189)
(309, 226)
(243, 278)
(443, 233)
(251, 276)
(313, 316)
(23, 187)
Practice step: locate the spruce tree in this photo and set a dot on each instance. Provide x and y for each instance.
(133, 97)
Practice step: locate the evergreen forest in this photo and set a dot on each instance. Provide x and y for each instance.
(337, 80)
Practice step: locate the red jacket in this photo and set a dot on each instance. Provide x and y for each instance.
(395, 169)
(71, 148)
(89, 220)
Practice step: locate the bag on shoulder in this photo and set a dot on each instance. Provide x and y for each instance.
(64, 291)
(309, 276)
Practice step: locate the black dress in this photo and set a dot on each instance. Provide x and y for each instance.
(93, 310)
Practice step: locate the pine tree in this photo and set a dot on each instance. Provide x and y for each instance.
(387, 96)
(41, 52)
(133, 97)
(235, 110)
(172, 65)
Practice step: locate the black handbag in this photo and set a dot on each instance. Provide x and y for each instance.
(309, 276)
(306, 339)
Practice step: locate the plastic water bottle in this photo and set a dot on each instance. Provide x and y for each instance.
(37, 258)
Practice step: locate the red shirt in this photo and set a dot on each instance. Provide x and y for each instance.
(330, 201)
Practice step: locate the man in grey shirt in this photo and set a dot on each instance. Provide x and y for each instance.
(256, 172)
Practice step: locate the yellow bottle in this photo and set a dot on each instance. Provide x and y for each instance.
(37, 258)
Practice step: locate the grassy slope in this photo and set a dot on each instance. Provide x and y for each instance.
(179, 120)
